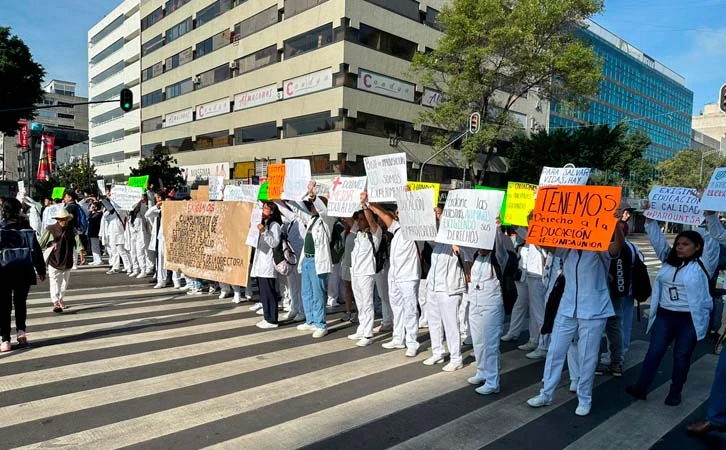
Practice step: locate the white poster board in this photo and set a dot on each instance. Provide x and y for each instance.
(255, 219)
(126, 197)
(344, 196)
(216, 187)
(101, 187)
(674, 205)
(297, 177)
(470, 218)
(554, 176)
(416, 215)
(241, 193)
(386, 176)
(714, 197)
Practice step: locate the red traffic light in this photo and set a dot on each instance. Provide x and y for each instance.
(474, 123)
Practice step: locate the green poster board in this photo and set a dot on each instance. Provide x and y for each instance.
(263, 192)
(503, 211)
(139, 182)
(58, 193)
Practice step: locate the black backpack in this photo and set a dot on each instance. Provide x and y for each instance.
(642, 290)
(425, 255)
(337, 243)
(16, 249)
(380, 253)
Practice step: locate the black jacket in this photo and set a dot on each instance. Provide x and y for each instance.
(24, 276)
(94, 224)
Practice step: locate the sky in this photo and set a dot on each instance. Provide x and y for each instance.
(688, 36)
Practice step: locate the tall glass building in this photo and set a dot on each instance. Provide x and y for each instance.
(635, 88)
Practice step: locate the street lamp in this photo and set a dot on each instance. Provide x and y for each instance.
(703, 157)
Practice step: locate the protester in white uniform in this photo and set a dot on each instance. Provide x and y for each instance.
(294, 229)
(335, 281)
(351, 228)
(138, 234)
(156, 242)
(263, 267)
(115, 230)
(423, 321)
(583, 312)
(381, 284)
(520, 310)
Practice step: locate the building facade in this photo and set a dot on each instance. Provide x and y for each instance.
(711, 123)
(238, 82)
(637, 89)
(114, 46)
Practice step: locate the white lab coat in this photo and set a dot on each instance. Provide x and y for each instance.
(263, 265)
(322, 226)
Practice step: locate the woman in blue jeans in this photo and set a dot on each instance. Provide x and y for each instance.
(679, 308)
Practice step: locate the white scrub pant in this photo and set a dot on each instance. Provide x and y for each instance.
(486, 320)
(58, 283)
(403, 297)
(382, 288)
(464, 316)
(536, 290)
(573, 361)
(520, 311)
(120, 254)
(160, 271)
(422, 292)
(138, 255)
(443, 309)
(96, 250)
(293, 284)
(150, 258)
(588, 332)
(177, 276)
(335, 288)
(363, 288)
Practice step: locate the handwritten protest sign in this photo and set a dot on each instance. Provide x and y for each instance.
(275, 181)
(564, 176)
(297, 177)
(675, 205)
(58, 193)
(203, 240)
(386, 176)
(254, 234)
(575, 217)
(139, 182)
(241, 193)
(216, 187)
(344, 196)
(416, 215)
(469, 218)
(417, 186)
(714, 197)
(519, 203)
(263, 192)
(126, 197)
(502, 212)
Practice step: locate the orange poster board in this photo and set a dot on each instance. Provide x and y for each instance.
(275, 180)
(574, 217)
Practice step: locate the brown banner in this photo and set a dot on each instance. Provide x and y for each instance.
(207, 239)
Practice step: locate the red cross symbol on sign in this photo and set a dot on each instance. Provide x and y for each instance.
(336, 183)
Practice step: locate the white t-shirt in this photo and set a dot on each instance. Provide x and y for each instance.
(405, 256)
(363, 257)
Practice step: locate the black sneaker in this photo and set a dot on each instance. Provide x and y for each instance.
(616, 370)
(637, 392)
(673, 398)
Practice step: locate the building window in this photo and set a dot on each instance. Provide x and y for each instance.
(108, 51)
(151, 124)
(256, 133)
(306, 42)
(213, 140)
(109, 94)
(384, 127)
(153, 71)
(114, 113)
(210, 12)
(181, 58)
(152, 98)
(213, 76)
(173, 5)
(213, 43)
(310, 124)
(148, 149)
(386, 42)
(111, 71)
(431, 20)
(152, 44)
(256, 23)
(108, 29)
(294, 7)
(113, 136)
(260, 58)
(180, 88)
(152, 18)
(66, 116)
(178, 30)
(406, 8)
(179, 145)
(47, 114)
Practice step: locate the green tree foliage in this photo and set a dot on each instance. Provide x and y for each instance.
(20, 81)
(160, 167)
(78, 174)
(684, 169)
(494, 52)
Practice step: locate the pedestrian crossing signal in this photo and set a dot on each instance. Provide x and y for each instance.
(722, 98)
(126, 100)
(474, 123)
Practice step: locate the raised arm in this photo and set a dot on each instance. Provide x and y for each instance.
(714, 227)
(618, 240)
(657, 239)
(372, 224)
(385, 216)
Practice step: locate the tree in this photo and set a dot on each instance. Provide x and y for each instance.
(20, 81)
(493, 52)
(684, 169)
(78, 174)
(160, 167)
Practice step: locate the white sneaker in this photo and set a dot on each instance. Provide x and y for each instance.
(424, 324)
(133, 274)
(236, 299)
(529, 346)
(573, 386)
(364, 342)
(320, 332)
(539, 401)
(265, 324)
(256, 306)
(141, 275)
(451, 367)
(508, 337)
(390, 345)
(194, 292)
(475, 380)
(223, 295)
(260, 312)
(411, 352)
(355, 337)
(537, 354)
(158, 286)
(112, 272)
(485, 390)
(305, 327)
(582, 411)
(434, 360)
(186, 287)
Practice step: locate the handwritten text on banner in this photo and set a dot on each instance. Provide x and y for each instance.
(344, 196)
(275, 181)
(675, 205)
(417, 186)
(714, 197)
(297, 177)
(386, 176)
(126, 197)
(520, 202)
(242, 193)
(564, 175)
(469, 218)
(416, 214)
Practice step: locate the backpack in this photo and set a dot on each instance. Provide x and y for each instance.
(380, 253)
(283, 256)
(337, 243)
(82, 221)
(640, 280)
(16, 249)
(425, 255)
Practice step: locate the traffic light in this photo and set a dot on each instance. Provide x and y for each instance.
(722, 99)
(126, 99)
(474, 123)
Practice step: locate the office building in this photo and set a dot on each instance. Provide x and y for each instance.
(114, 45)
(236, 84)
(711, 123)
(635, 88)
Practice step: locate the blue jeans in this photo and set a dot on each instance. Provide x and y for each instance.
(314, 294)
(717, 401)
(669, 326)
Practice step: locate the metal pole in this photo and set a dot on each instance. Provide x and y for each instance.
(420, 172)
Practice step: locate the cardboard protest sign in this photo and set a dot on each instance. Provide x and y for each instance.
(216, 187)
(386, 176)
(126, 197)
(675, 205)
(503, 211)
(139, 182)
(275, 181)
(575, 217)
(201, 194)
(552, 176)
(344, 196)
(714, 197)
(416, 215)
(58, 193)
(297, 177)
(519, 203)
(241, 193)
(263, 192)
(203, 240)
(254, 234)
(418, 185)
(470, 218)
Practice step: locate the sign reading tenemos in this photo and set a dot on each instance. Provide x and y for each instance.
(390, 87)
(256, 97)
(212, 109)
(306, 84)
